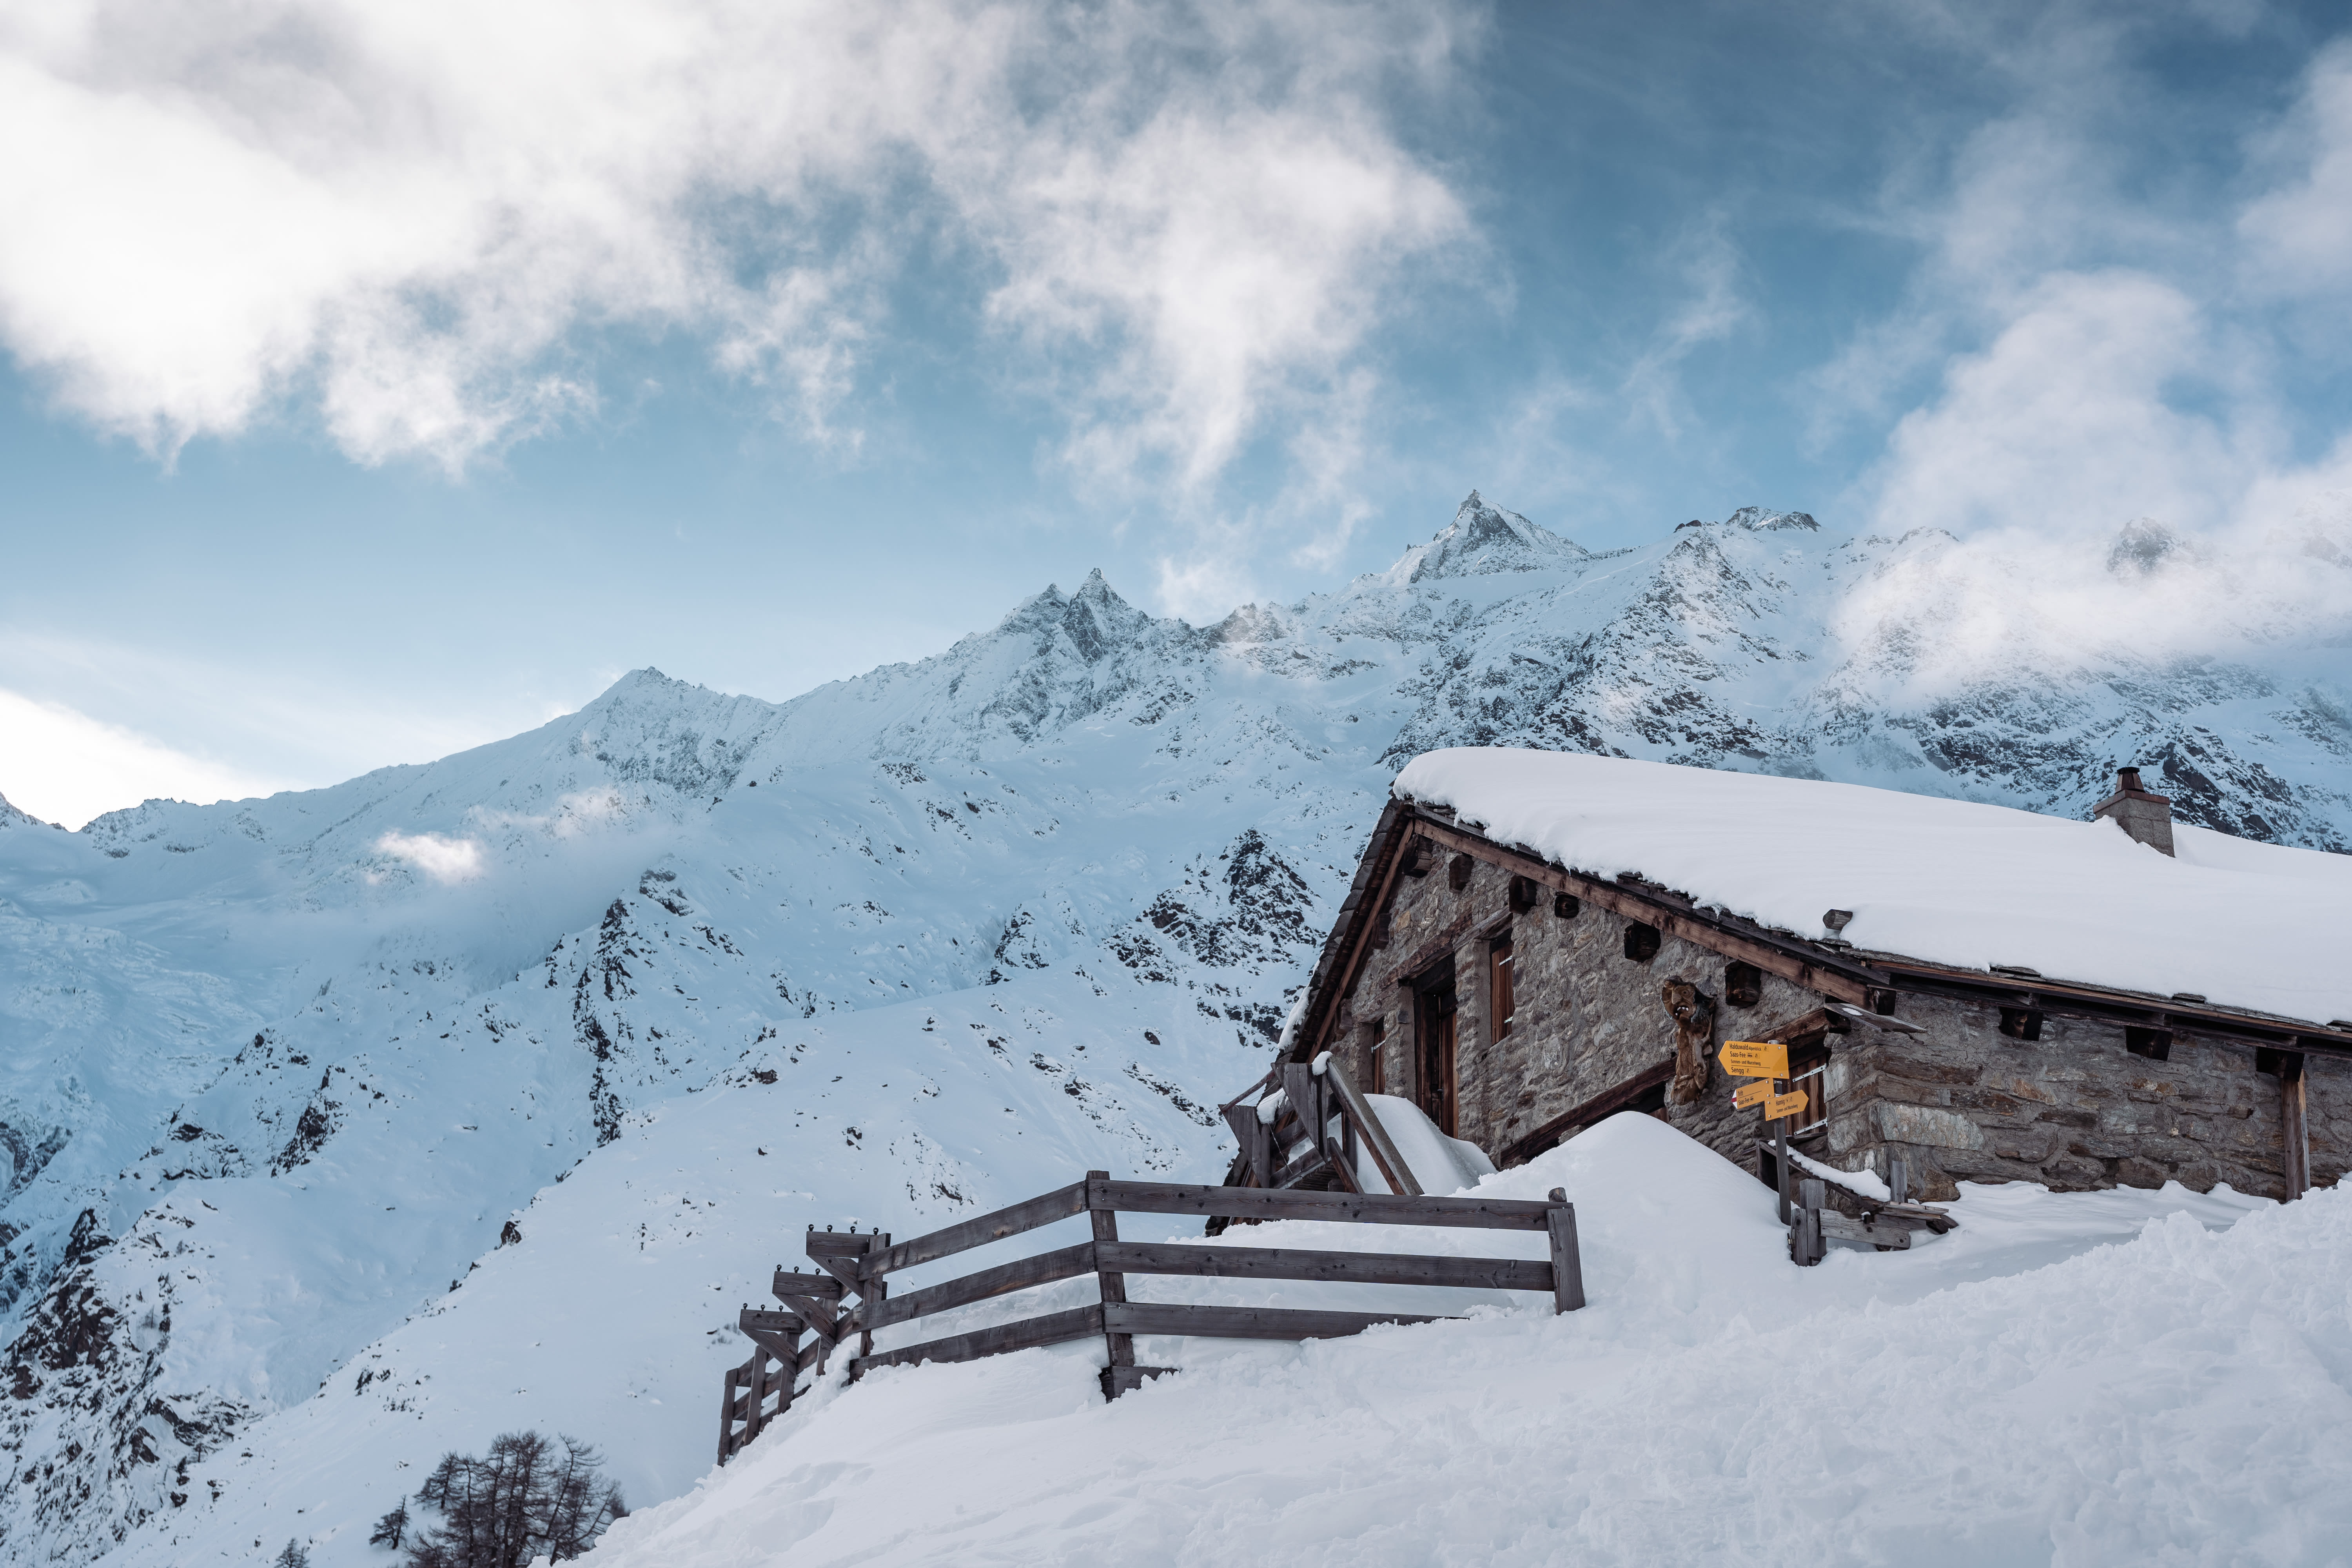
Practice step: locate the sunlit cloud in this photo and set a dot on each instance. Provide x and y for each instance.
(63, 766)
(408, 222)
(445, 859)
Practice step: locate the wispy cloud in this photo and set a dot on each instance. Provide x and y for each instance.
(2066, 396)
(445, 859)
(411, 220)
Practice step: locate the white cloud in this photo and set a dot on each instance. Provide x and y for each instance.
(2066, 398)
(408, 217)
(2298, 236)
(64, 766)
(2063, 421)
(443, 859)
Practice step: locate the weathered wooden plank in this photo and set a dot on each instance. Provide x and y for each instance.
(1120, 1348)
(2295, 1114)
(828, 1241)
(1053, 1329)
(1119, 1380)
(1011, 1220)
(1385, 1154)
(1337, 1268)
(1836, 1226)
(1064, 1263)
(1248, 1322)
(815, 1287)
(726, 1416)
(1335, 1150)
(771, 1320)
(1309, 1161)
(821, 1322)
(1305, 1093)
(838, 1255)
(1363, 1209)
(1567, 1262)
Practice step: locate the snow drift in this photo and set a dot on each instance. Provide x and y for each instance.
(2119, 1377)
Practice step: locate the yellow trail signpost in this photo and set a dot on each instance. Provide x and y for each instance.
(1755, 1093)
(1788, 1104)
(1754, 1058)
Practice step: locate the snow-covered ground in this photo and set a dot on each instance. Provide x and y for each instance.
(279, 1074)
(2124, 1377)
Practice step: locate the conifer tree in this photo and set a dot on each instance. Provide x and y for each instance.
(528, 1498)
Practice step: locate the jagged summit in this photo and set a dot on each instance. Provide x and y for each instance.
(905, 947)
(1484, 539)
(1094, 618)
(10, 817)
(2142, 545)
(1761, 519)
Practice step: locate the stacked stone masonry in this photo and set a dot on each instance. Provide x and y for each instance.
(1960, 1102)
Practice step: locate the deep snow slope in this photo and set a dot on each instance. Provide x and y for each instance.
(280, 1073)
(2095, 1378)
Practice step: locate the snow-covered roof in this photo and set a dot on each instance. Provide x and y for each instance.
(2247, 925)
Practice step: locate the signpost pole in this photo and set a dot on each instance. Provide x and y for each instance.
(1781, 1158)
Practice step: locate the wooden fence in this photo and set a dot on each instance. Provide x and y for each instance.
(858, 1268)
(1305, 1132)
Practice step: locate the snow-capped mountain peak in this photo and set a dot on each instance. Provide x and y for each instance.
(926, 939)
(1484, 539)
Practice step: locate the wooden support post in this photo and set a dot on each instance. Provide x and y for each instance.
(2294, 1110)
(1261, 1149)
(1362, 1120)
(1781, 1165)
(727, 1416)
(1334, 1149)
(1303, 1091)
(1806, 1244)
(1567, 1266)
(1114, 1285)
(871, 1289)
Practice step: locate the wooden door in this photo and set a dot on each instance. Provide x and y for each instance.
(1437, 1057)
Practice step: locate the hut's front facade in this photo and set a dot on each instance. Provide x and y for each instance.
(1518, 999)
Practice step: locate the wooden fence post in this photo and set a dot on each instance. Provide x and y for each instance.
(2296, 1114)
(1805, 1243)
(1567, 1266)
(1780, 1164)
(1114, 1285)
(871, 1289)
(727, 1416)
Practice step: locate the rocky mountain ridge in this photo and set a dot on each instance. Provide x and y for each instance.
(287, 1071)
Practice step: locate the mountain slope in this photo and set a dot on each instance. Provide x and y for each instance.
(283, 1072)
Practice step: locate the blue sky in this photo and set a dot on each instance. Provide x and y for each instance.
(380, 380)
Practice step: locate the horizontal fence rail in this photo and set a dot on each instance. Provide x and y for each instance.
(859, 1266)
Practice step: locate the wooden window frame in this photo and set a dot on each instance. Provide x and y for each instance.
(1502, 989)
(1809, 1068)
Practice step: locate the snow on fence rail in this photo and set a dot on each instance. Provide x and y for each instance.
(860, 1266)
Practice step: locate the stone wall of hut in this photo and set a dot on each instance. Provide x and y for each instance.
(2074, 1108)
(1961, 1101)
